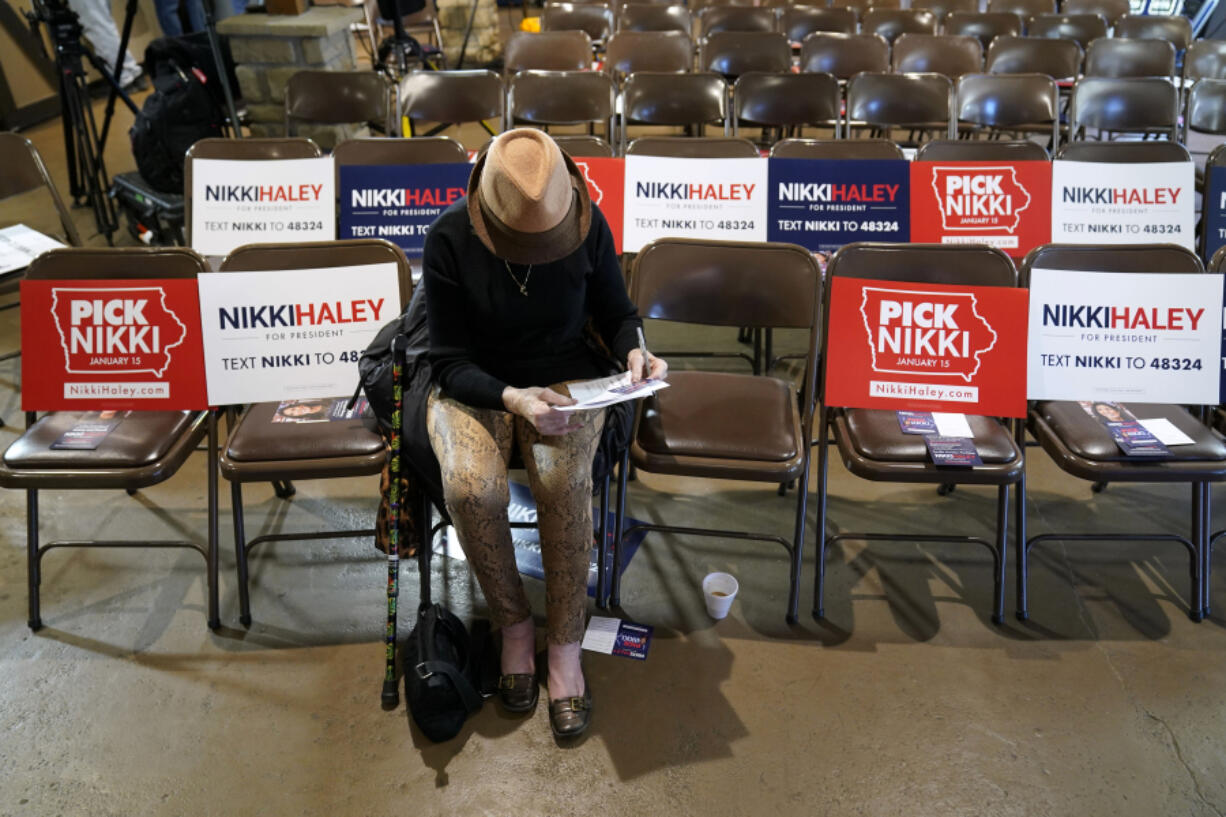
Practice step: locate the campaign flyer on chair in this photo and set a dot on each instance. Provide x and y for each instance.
(320, 410)
(926, 347)
(261, 202)
(89, 431)
(1135, 336)
(822, 204)
(97, 345)
(398, 202)
(292, 334)
(1137, 203)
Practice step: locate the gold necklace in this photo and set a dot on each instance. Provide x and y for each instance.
(523, 285)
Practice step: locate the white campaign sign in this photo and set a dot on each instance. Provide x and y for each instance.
(1103, 203)
(291, 334)
(1146, 337)
(694, 198)
(261, 202)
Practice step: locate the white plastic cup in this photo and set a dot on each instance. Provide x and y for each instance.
(719, 589)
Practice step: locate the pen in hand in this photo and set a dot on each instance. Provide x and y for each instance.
(643, 351)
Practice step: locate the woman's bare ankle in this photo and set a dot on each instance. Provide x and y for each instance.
(565, 671)
(519, 647)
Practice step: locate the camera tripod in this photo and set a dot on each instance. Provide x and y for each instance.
(88, 181)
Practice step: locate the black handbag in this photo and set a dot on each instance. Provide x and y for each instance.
(441, 670)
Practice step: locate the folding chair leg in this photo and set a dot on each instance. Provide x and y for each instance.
(798, 542)
(619, 525)
(1206, 544)
(602, 546)
(213, 556)
(1197, 607)
(823, 451)
(33, 568)
(1000, 554)
(240, 553)
(1023, 546)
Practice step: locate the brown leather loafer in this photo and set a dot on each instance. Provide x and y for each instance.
(569, 717)
(518, 691)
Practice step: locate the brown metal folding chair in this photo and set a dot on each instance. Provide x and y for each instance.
(450, 98)
(720, 425)
(1083, 448)
(340, 98)
(147, 448)
(870, 441)
(258, 450)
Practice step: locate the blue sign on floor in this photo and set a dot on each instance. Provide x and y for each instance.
(398, 202)
(822, 204)
(527, 541)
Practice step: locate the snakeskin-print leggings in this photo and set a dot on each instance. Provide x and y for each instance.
(473, 447)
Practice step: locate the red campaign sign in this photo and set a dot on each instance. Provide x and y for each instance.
(1002, 204)
(927, 347)
(93, 345)
(606, 183)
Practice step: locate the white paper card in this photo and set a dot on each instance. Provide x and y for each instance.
(694, 198)
(19, 245)
(291, 334)
(1166, 431)
(601, 634)
(1133, 337)
(259, 202)
(950, 424)
(606, 391)
(1142, 203)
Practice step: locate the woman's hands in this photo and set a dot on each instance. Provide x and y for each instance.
(657, 367)
(536, 405)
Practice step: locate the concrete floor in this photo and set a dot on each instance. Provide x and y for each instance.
(907, 700)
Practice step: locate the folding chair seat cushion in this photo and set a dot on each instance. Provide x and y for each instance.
(697, 427)
(873, 447)
(875, 434)
(145, 449)
(139, 440)
(1075, 431)
(258, 447)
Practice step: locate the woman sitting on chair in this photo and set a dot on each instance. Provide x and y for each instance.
(513, 274)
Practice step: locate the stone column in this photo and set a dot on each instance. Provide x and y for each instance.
(484, 44)
(270, 48)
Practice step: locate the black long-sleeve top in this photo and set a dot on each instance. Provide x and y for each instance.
(486, 335)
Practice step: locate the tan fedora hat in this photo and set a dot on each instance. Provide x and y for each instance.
(527, 200)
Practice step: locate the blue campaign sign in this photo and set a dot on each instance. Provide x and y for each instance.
(1215, 211)
(398, 202)
(822, 204)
